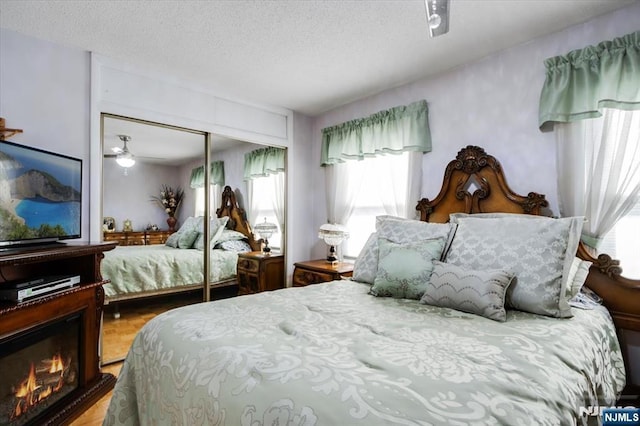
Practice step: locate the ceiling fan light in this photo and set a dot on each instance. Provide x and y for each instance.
(434, 21)
(125, 160)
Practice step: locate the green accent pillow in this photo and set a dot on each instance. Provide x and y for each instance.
(404, 269)
(172, 241)
(187, 238)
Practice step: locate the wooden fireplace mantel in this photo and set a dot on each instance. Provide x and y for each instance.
(86, 299)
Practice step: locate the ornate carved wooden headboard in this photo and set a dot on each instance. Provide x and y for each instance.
(237, 217)
(475, 170)
(474, 183)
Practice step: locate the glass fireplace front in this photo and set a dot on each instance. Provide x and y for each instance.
(39, 367)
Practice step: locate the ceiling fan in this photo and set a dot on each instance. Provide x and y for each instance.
(123, 156)
(437, 16)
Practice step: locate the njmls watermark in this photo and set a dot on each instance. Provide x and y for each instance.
(614, 416)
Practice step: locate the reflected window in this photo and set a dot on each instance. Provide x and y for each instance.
(623, 242)
(263, 194)
(215, 197)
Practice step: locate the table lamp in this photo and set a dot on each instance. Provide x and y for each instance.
(265, 230)
(333, 235)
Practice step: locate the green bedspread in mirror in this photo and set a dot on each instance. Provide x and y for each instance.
(136, 270)
(331, 354)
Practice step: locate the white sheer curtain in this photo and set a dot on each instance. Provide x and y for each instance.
(253, 202)
(215, 197)
(265, 199)
(394, 180)
(358, 191)
(342, 182)
(599, 169)
(278, 183)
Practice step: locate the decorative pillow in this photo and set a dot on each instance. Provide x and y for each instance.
(191, 224)
(366, 264)
(577, 276)
(404, 269)
(231, 235)
(477, 292)
(172, 241)
(187, 238)
(537, 249)
(398, 230)
(239, 246)
(215, 230)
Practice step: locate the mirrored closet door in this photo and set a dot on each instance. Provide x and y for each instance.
(154, 204)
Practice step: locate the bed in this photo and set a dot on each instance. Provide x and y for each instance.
(142, 271)
(335, 354)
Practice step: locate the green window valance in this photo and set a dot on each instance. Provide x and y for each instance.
(263, 162)
(216, 175)
(396, 130)
(583, 81)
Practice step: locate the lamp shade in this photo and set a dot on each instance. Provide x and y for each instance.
(333, 234)
(265, 230)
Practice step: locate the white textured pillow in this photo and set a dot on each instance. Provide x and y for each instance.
(215, 230)
(478, 292)
(577, 276)
(397, 230)
(230, 235)
(539, 250)
(366, 264)
(400, 230)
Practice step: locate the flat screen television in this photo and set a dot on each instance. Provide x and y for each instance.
(40, 196)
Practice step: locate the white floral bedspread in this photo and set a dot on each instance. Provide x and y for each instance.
(330, 354)
(140, 269)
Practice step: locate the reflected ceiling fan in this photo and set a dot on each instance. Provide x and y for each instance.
(123, 156)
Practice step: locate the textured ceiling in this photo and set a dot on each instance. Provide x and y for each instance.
(308, 56)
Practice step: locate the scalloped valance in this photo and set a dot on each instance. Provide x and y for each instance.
(216, 175)
(264, 162)
(579, 84)
(396, 130)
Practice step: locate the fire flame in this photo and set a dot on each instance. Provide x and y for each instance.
(56, 364)
(30, 392)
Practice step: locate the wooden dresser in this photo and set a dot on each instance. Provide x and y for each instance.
(259, 272)
(319, 271)
(138, 238)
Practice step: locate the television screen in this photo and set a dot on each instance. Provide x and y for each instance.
(40, 195)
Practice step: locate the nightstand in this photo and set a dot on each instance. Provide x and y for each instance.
(259, 272)
(320, 271)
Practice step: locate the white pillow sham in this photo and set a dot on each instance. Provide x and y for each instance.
(538, 250)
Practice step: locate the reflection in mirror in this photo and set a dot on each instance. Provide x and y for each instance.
(161, 180)
(623, 242)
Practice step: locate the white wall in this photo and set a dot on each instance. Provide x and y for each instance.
(134, 203)
(44, 90)
(492, 103)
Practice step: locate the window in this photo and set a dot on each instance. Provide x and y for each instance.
(263, 205)
(623, 242)
(214, 199)
(383, 185)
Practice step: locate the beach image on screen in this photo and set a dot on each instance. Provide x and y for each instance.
(40, 194)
